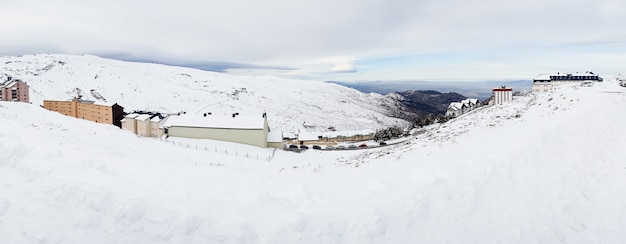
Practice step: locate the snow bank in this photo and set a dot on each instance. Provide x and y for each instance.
(545, 168)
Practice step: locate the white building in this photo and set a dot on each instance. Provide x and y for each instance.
(275, 139)
(251, 130)
(546, 82)
(471, 103)
(146, 124)
(457, 108)
(502, 95)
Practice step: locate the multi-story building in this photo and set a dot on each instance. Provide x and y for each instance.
(251, 130)
(147, 124)
(502, 95)
(14, 90)
(105, 113)
(546, 82)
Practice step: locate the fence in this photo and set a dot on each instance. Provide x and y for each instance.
(231, 152)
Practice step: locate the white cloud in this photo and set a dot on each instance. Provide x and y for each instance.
(299, 34)
(344, 68)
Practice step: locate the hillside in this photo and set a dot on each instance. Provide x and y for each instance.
(544, 168)
(419, 104)
(291, 105)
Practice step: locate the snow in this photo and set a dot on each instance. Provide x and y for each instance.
(156, 119)
(543, 168)
(274, 136)
(289, 104)
(216, 121)
(132, 116)
(543, 77)
(142, 117)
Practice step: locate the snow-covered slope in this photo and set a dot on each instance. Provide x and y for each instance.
(290, 104)
(545, 168)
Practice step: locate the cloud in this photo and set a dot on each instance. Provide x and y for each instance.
(344, 68)
(290, 38)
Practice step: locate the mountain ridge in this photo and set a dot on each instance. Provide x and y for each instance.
(290, 104)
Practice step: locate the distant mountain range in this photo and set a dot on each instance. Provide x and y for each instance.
(480, 90)
(419, 104)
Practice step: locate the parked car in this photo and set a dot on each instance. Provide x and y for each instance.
(352, 146)
(341, 147)
(293, 147)
(329, 148)
(382, 143)
(303, 147)
(363, 145)
(317, 147)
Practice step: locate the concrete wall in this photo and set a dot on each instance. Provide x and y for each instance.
(256, 137)
(130, 124)
(144, 128)
(155, 131)
(278, 145)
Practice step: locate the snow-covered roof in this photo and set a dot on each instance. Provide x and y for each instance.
(309, 136)
(289, 135)
(348, 133)
(543, 77)
(217, 121)
(108, 104)
(11, 83)
(156, 118)
(274, 136)
(549, 77)
(470, 101)
(131, 116)
(143, 117)
(455, 106)
(502, 88)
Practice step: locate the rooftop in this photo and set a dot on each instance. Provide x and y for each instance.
(143, 117)
(547, 77)
(217, 121)
(274, 136)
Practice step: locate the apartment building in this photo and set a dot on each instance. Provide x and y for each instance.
(146, 124)
(105, 113)
(14, 90)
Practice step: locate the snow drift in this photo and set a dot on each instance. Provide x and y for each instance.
(544, 168)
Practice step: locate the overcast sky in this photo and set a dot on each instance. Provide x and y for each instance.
(342, 40)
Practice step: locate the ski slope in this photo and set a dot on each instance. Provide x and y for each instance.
(291, 105)
(545, 168)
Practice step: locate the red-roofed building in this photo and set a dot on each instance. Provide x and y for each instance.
(502, 95)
